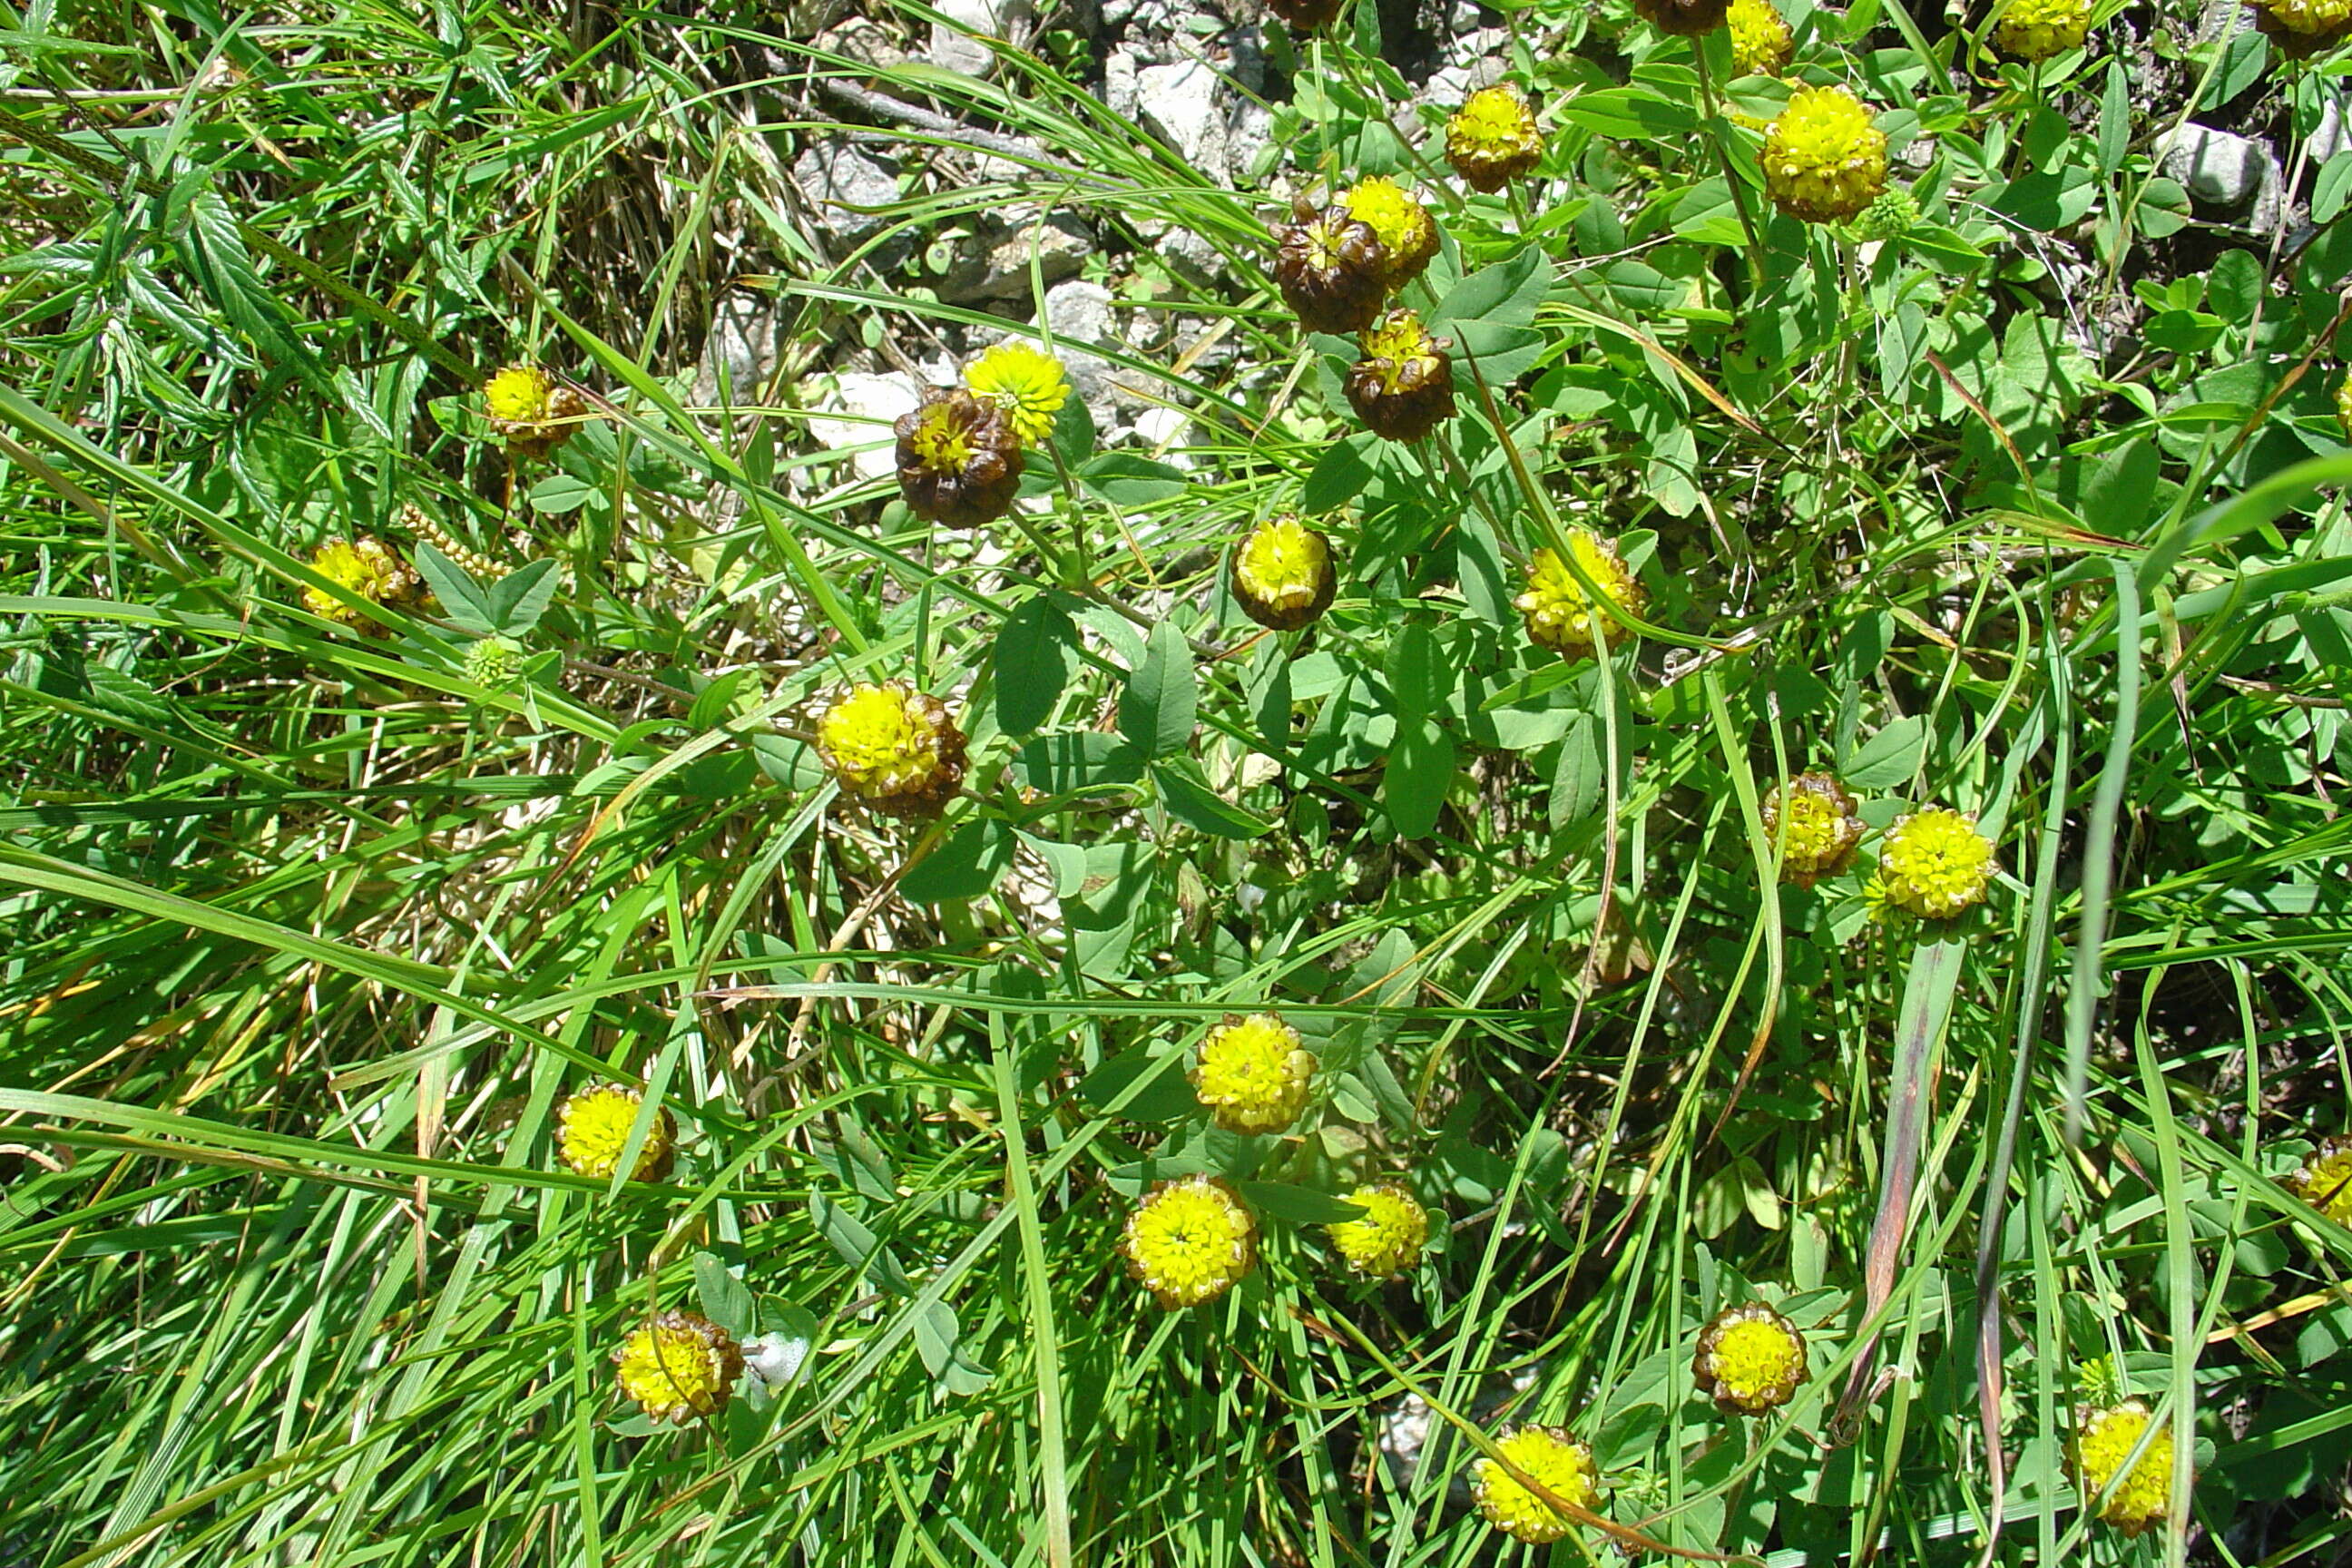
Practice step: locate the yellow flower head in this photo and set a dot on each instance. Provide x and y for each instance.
(1760, 39)
(2325, 1180)
(679, 1366)
(1402, 384)
(1823, 160)
(1750, 1360)
(893, 747)
(1558, 610)
(591, 1127)
(1822, 828)
(1387, 1238)
(370, 569)
(1187, 1241)
(1493, 138)
(527, 407)
(2103, 1439)
(1560, 1465)
(1408, 235)
(1283, 576)
(1253, 1074)
(2300, 28)
(1935, 863)
(2037, 29)
(2344, 403)
(1026, 383)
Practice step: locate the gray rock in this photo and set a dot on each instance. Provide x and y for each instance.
(1185, 104)
(957, 47)
(862, 39)
(843, 185)
(2217, 167)
(994, 263)
(1080, 313)
(2331, 136)
(737, 354)
(871, 403)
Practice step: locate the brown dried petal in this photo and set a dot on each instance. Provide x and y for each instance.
(966, 494)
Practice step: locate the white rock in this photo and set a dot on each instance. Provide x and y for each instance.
(957, 48)
(1080, 312)
(1166, 432)
(872, 401)
(2217, 167)
(741, 346)
(2331, 137)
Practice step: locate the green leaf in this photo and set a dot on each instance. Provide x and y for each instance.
(966, 864)
(1418, 679)
(1191, 801)
(1074, 432)
(1078, 762)
(1033, 665)
(2331, 190)
(1158, 709)
(1505, 294)
(1629, 114)
(2047, 201)
(462, 599)
(726, 1301)
(2115, 119)
(1127, 478)
(1419, 771)
(1297, 1204)
(1888, 758)
(1339, 475)
(560, 493)
(1576, 780)
(1164, 1093)
(517, 600)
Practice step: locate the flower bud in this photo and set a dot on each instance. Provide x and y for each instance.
(1408, 235)
(1935, 863)
(1822, 825)
(1750, 1360)
(1560, 1465)
(1760, 39)
(370, 569)
(1558, 610)
(2105, 1438)
(1188, 1241)
(591, 1129)
(532, 410)
(1387, 1238)
(679, 1366)
(1253, 1074)
(1683, 19)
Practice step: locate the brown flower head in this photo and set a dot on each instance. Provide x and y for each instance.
(1282, 575)
(1331, 270)
(1683, 19)
(1493, 138)
(2302, 28)
(1306, 15)
(1823, 826)
(532, 409)
(1401, 386)
(959, 460)
(893, 748)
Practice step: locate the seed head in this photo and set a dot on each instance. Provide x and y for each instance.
(1560, 1464)
(1401, 385)
(592, 1128)
(2037, 29)
(1493, 139)
(369, 568)
(1558, 610)
(1026, 384)
(1821, 824)
(2103, 1439)
(1283, 576)
(1387, 1238)
(1823, 160)
(1254, 1073)
(1332, 270)
(1750, 1360)
(1408, 235)
(893, 748)
(1187, 1241)
(958, 460)
(1935, 863)
(679, 1366)
(1760, 39)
